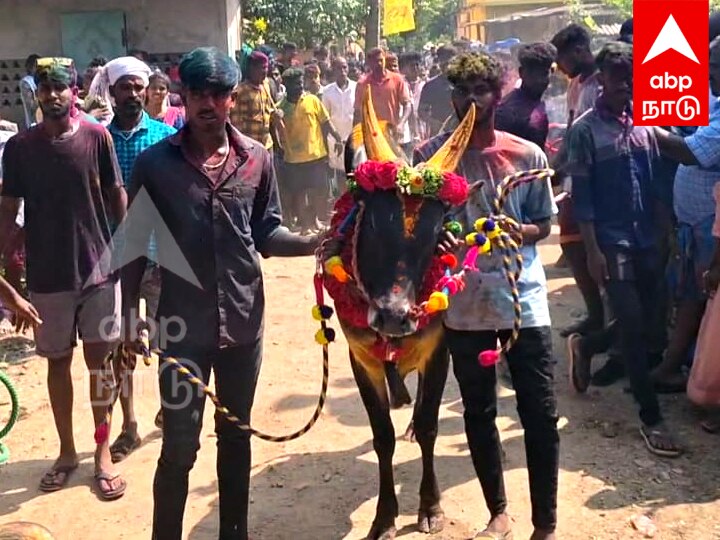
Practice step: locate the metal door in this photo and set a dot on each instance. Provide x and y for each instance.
(88, 34)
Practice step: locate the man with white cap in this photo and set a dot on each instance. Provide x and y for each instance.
(133, 131)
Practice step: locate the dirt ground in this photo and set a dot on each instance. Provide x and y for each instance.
(324, 485)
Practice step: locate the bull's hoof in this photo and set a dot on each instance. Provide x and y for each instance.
(410, 433)
(382, 531)
(431, 521)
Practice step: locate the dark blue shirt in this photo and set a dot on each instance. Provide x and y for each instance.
(220, 227)
(612, 163)
(524, 116)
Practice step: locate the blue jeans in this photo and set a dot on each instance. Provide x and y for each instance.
(696, 245)
(236, 373)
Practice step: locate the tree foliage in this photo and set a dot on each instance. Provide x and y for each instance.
(306, 22)
(313, 22)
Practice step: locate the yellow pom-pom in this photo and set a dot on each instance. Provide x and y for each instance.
(470, 239)
(485, 248)
(438, 301)
(479, 224)
(316, 313)
(494, 233)
(320, 337)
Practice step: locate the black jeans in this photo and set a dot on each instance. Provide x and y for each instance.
(236, 374)
(577, 259)
(531, 366)
(632, 292)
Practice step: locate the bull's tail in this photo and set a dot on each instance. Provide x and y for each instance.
(399, 395)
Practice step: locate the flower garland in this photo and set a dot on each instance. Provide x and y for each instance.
(422, 181)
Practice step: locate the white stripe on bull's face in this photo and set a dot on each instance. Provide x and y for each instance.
(390, 315)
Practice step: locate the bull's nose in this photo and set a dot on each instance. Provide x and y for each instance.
(392, 323)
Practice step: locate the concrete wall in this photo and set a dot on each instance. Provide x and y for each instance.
(153, 25)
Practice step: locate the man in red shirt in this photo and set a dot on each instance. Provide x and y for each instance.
(390, 94)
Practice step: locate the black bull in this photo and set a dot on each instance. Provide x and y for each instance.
(391, 263)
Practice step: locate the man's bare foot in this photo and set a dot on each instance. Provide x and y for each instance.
(499, 528)
(108, 482)
(542, 535)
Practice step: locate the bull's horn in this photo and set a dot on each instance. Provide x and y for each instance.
(446, 159)
(377, 147)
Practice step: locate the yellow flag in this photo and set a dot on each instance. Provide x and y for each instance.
(398, 17)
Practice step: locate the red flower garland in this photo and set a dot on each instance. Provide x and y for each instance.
(372, 175)
(350, 305)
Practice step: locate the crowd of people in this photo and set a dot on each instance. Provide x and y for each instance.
(217, 153)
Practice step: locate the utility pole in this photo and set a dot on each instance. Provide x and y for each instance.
(372, 30)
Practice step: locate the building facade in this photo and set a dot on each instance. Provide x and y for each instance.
(166, 29)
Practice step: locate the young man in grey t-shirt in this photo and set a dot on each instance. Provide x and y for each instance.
(482, 314)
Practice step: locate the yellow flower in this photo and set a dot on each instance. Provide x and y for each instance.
(260, 25)
(417, 183)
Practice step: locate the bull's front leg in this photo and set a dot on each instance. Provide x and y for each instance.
(431, 518)
(374, 396)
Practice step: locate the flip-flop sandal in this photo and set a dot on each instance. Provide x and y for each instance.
(110, 494)
(491, 535)
(648, 433)
(123, 446)
(49, 482)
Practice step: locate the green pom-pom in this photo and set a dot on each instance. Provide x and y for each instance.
(454, 227)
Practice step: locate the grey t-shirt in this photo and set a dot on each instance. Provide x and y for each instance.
(486, 302)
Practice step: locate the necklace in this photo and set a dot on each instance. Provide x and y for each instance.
(224, 152)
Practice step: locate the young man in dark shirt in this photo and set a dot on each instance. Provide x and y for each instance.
(217, 199)
(67, 173)
(522, 112)
(611, 163)
(435, 100)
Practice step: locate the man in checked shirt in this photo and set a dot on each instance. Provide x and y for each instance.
(255, 112)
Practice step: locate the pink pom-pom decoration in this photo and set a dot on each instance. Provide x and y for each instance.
(471, 259)
(489, 358)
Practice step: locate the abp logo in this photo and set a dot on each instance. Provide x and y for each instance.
(670, 57)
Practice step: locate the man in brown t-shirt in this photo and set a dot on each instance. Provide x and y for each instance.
(390, 94)
(67, 173)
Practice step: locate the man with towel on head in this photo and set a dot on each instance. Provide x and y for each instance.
(67, 173)
(133, 131)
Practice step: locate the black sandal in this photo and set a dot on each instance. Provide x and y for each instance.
(123, 446)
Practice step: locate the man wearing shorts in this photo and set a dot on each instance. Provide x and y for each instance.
(305, 128)
(66, 172)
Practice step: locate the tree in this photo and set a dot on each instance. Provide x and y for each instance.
(307, 22)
